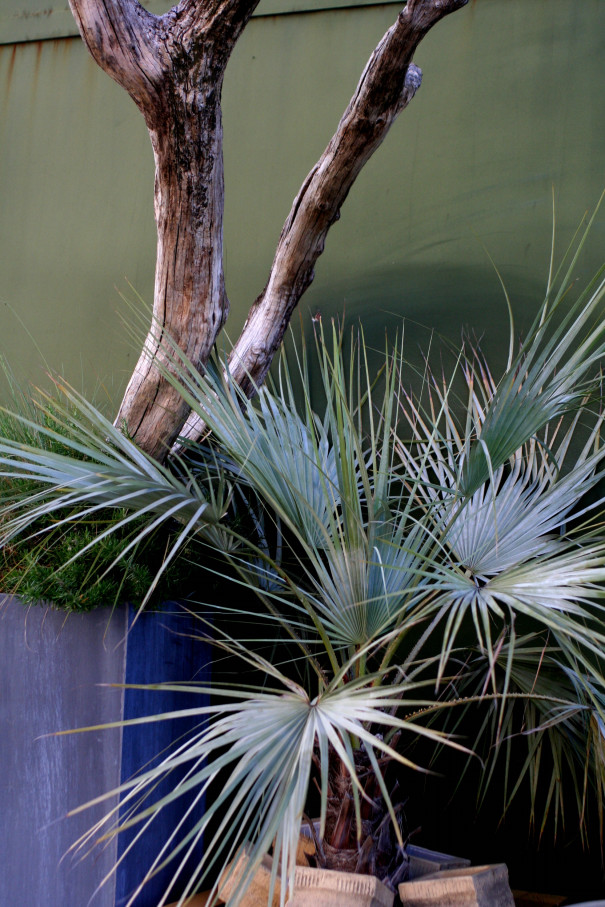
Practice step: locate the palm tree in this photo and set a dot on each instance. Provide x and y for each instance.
(414, 555)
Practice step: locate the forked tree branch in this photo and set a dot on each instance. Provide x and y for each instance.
(139, 50)
(173, 67)
(201, 21)
(122, 38)
(387, 85)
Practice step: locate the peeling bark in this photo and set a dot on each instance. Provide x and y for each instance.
(173, 67)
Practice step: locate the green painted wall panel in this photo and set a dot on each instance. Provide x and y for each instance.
(38, 20)
(76, 215)
(33, 20)
(511, 105)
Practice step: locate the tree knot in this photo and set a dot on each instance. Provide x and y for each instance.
(413, 79)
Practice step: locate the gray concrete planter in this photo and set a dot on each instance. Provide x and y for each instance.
(51, 669)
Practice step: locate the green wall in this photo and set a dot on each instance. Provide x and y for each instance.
(512, 104)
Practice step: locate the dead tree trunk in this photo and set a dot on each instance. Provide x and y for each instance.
(173, 67)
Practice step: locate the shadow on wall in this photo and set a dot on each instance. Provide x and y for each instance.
(433, 307)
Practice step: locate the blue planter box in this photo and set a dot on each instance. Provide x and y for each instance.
(51, 669)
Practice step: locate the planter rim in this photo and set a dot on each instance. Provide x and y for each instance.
(462, 872)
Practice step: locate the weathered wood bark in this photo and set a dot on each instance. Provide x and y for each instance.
(380, 96)
(387, 85)
(173, 68)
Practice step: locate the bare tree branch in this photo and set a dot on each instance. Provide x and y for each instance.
(209, 20)
(122, 38)
(173, 67)
(387, 85)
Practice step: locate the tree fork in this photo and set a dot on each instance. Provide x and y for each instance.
(173, 68)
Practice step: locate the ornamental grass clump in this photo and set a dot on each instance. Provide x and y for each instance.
(404, 561)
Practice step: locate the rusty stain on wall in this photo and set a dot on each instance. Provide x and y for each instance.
(11, 66)
(12, 52)
(38, 58)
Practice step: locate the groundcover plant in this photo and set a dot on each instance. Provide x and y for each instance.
(402, 553)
